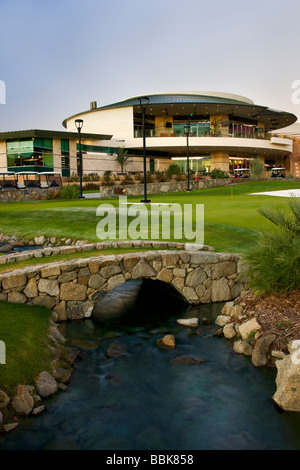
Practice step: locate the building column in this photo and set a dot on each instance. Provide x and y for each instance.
(3, 156)
(73, 157)
(220, 161)
(56, 143)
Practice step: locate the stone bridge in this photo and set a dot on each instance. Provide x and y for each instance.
(73, 288)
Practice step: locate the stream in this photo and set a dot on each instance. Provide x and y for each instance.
(142, 401)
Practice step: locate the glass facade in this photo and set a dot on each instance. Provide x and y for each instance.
(33, 153)
(65, 157)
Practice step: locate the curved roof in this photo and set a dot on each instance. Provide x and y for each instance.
(200, 103)
(178, 98)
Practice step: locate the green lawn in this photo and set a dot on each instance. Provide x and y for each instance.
(230, 220)
(23, 328)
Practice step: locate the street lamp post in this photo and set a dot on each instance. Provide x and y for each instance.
(79, 124)
(144, 101)
(187, 128)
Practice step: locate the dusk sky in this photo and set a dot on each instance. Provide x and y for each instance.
(56, 56)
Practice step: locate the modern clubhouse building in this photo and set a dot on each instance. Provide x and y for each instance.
(226, 131)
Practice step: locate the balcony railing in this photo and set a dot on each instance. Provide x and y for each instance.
(242, 132)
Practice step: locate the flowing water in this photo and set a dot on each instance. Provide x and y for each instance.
(143, 401)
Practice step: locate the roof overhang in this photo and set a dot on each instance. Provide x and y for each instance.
(47, 134)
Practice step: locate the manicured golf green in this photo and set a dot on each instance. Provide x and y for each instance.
(231, 216)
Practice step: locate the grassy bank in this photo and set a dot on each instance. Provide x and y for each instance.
(23, 328)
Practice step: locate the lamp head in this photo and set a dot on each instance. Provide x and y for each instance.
(78, 124)
(144, 101)
(187, 129)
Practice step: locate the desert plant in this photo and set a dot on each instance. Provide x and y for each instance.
(106, 181)
(127, 180)
(256, 169)
(160, 176)
(173, 169)
(273, 259)
(122, 157)
(138, 176)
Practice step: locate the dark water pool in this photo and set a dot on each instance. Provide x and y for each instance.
(141, 401)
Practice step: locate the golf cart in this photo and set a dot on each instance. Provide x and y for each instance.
(8, 180)
(50, 179)
(28, 180)
(278, 172)
(242, 173)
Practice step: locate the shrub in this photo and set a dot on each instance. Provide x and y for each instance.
(218, 174)
(53, 194)
(138, 176)
(127, 180)
(70, 192)
(106, 181)
(149, 178)
(273, 259)
(174, 170)
(160, 176)
(257, 169)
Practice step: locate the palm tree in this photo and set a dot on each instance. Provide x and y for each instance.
(274, 258)
(122, 157)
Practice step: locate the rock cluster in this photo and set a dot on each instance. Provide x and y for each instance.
(238, 325)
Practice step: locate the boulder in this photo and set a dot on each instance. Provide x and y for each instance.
(187, 360)
(5, 248)
(61, 375)
(250, 326)
(242, 347)
(287, 395)
(226, 310)
(38, 410)
(191, 322)
(229, 331)
(45, 384)
(167, 342)
(39, 241)
(22, 402)
(116, 349)
(4, 400)
(261, 353)
(223, 320)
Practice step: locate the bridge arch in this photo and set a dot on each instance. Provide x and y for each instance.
(73, 288)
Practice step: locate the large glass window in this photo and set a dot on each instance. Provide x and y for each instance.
(35, 154)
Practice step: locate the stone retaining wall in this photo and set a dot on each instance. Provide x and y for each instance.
(157, 188)
(73, 288)
(16, 195)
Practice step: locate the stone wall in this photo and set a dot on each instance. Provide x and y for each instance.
(157, 188)
(16, 195)
(73, 288)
